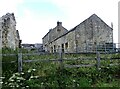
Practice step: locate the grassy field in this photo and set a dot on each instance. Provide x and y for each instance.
(52, 74)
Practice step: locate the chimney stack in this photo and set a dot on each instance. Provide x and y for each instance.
(59, 23)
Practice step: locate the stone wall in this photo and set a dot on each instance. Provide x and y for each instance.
(93, 31)
(52, 35)
(9, 35)
(84, 37)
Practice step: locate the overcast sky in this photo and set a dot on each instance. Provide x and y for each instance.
(35, 17)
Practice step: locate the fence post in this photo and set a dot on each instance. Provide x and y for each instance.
(98, 60)
(61, 60)
(19, 62)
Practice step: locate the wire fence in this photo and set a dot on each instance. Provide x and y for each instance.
(86, 48)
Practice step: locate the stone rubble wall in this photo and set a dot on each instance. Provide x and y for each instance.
(9, 36)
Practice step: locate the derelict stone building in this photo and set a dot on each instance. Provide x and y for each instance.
(83, 37)
(9, 36)
(52, 35)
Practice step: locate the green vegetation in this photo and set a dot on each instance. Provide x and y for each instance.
(52, 74)
(8, 68)
(75, 77)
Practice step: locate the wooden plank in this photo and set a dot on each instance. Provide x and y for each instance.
(116, 64)
(82, 65)
(30, 54)
(9, 62)
(8, 54)
(45, 60)
(65, 59)
(85, 58)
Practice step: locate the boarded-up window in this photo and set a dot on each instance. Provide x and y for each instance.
(54, 48)
(66, 45)
(63, 48)
(51, 49)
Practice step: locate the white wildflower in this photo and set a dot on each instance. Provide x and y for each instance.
(11, 80)
(2, 77)
(10, 84)
(22, 73)
(31, 76)
(18, 74)
(17, 86)
(99, 68)
(34, 69)
(29, 70)
(27, 86)
(6, 83)
(73, 80)
(21, 78)
(18, 80)
(42, 83)
(1, 82)
(36, 76)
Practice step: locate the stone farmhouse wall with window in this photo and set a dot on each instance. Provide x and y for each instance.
(52, 35)
(84, 37)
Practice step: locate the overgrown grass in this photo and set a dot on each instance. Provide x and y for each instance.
(74, 77)
(51, 74)
(8, 68)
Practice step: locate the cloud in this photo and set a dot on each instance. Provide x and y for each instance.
(9, 6)
(34, 21)
(72, 12)
(33, 27)
(79, 10)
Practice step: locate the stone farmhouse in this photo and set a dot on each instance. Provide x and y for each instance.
(9, 36)
(83, 37)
